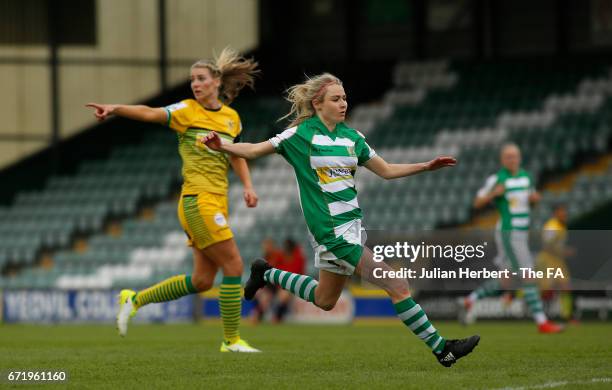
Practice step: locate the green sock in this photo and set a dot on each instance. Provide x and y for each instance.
(167, 290)
(299, 285)
(230, 305)
(415, 318)
(567, 305)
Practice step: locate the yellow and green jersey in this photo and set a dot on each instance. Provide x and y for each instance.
(554, 236)
(204, 170)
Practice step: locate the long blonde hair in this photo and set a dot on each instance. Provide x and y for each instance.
(302, 95)
(235, 72)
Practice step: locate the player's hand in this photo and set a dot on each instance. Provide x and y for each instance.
(441, 162)
(213, 141)
(102, 110)
(498, 190)
(250, 197)
(534, 197)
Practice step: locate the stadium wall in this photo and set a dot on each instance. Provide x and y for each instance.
(121, 63)
(99, 306)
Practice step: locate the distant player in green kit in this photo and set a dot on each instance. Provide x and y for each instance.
(325, 153)
(512, 190)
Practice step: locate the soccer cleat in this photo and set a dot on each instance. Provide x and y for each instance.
(126, 311)
(456, 349)
(467, 316)
(256, 280)
(550, 327)
(238, 346)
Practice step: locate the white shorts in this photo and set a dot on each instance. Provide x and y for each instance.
(342, 258)
(513, 250)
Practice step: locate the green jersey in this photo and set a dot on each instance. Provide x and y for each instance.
(325, 163)
(513, 205)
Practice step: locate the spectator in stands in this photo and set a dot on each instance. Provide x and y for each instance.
(295, 262)
(202, 208)
(264, 298)
(290, 259)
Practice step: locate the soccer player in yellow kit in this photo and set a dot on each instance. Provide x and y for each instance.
(553, 254)
(202, 209)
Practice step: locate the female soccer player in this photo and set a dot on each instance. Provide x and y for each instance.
(512, 190)
(202, 209)
(325, 154)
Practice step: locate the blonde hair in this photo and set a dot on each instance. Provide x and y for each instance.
(235, 72)
(302, 95)
(509, 145)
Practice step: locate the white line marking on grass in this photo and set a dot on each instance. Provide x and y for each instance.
(550, 385)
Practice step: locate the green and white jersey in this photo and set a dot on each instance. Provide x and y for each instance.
(513, 205)
(325, 163)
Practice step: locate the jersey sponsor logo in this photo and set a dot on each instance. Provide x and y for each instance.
(176, 106)
(329, 175)
(518, 201)
(322, 149)
(335, 173)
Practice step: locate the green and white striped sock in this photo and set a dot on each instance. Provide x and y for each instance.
(532, 298)
(299, 285)
(490, 288)
(415, 318)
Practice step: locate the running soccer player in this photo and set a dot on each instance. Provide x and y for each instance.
(553, 254)
(512, 190)
(325, 153)
(202, 209)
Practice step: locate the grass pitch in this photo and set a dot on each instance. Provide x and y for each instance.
(364, 355)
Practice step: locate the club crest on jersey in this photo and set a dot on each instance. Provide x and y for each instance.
(351, 151)
(230, 124)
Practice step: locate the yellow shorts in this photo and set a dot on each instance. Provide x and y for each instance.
(204, 219)
(546, 260)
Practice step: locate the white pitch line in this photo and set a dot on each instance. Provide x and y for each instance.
(550, 385)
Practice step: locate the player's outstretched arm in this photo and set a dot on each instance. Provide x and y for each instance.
(393, 171)
(484, 196)
(242, 149)
(139, 113)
